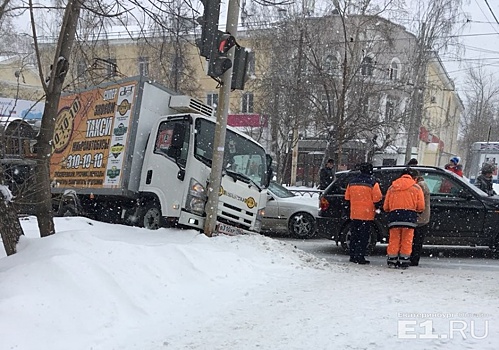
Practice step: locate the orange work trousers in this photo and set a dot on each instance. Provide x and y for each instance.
(400, 243)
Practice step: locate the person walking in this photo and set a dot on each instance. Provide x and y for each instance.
(484, 180)
(455, 166)
(326, 175)
(403, 200)
(363, 193)
(422, 227)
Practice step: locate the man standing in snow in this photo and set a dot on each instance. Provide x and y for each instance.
(363, 192)
(484, 180)
(404, 199)
(326, 175)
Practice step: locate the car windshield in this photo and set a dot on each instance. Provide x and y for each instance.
(279, 190)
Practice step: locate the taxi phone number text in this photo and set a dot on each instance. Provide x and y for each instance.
(74, 161)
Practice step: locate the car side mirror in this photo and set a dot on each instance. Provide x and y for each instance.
(465, 194)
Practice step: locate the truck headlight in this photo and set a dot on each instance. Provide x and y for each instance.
(196, 198)
(258, 221)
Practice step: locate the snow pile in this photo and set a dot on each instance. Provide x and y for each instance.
(99, 286)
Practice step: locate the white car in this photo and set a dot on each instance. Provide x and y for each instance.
(287, 213)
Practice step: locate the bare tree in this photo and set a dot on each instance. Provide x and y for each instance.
(435, 21)
(10, 228)
(323, 77)
(479, 122)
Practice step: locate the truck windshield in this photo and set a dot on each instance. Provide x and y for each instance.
(242, 155)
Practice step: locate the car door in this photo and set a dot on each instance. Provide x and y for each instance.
(456, 211)
(273, 219)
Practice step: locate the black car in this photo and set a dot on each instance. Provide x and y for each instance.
(461, 214)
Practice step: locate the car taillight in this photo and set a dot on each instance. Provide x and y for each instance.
(323, 204)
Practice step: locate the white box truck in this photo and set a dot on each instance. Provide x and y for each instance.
(134, 152)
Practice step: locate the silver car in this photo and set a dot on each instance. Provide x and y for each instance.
(287, 213)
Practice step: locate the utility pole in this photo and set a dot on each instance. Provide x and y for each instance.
(417, 96)
(220, 128)
(297, 108)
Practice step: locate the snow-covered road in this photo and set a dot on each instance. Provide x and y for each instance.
(463, 258)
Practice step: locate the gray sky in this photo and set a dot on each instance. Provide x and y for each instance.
(480, 42)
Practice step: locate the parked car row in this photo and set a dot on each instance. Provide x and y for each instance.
(461, 214)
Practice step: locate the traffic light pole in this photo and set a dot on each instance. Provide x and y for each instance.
(220, 128)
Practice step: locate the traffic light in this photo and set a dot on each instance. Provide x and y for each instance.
(209, 26)
(240, 67)
(219, 62)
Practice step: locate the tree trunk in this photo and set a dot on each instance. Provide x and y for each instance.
(10, 228)
(53, 90)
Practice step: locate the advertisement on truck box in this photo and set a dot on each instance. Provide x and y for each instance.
(91, 133)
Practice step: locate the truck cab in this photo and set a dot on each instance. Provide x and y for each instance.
(177, 167)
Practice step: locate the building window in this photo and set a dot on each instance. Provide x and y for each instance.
(364, 106)
(212, 99)
(331, 65)
(390, 110)
(394, 70)
(367, 67)
(111, 68)
(144, 66)
(247, 103)
(325, 102)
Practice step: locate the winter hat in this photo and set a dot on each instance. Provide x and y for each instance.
(366, 168)
(487, 168)
(455, 160)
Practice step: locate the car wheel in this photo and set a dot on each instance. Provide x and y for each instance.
(302, 225)
(346, 235)
(150, 216)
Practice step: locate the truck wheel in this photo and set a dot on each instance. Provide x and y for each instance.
(346, 235)
(494, 248)
(150, 217)
(68, 210)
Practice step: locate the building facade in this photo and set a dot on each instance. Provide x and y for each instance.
(345, 82)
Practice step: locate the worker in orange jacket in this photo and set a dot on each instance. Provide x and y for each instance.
(403, 201)
(363, 193)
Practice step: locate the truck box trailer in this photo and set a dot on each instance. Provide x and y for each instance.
(135, 152)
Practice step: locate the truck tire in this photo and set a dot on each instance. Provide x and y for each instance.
(68, 210)
(345, 239)
(150, 216)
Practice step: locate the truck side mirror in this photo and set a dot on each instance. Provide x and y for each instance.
(177, 141)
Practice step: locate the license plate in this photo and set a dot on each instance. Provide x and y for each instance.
(228, 230)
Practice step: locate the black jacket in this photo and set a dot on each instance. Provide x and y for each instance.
(485, 185)
(326, 176)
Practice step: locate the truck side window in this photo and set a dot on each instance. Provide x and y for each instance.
(163, 140)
